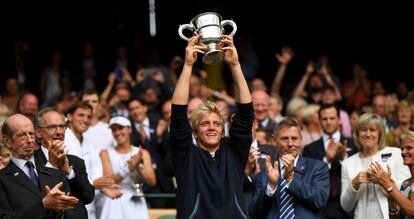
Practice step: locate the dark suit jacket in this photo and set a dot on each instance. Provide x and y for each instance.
(316, 150)
(19, 197)
(269, 126)
(79, 186)
(309, 188)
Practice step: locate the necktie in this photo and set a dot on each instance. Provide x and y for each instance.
(32, 174)
(287, 208)
(332, 179)
(332, 175)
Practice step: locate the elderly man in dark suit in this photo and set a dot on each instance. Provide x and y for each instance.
(294, 186)
(50, 130)
(25, 185)
(332, 148)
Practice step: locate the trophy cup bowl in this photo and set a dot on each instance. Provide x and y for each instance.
(137, 184)
(211, 26)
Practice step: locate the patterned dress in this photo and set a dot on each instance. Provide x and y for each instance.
(407, 190)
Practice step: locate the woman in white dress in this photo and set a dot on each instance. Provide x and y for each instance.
(361, 192)
(118, 163)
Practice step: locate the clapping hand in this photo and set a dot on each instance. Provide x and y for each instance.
(331, 151)
(252, 165)
(113, 191)
(57, 155)
(341, 150)
(377, 174)
(288, 165)
(57, 200)
(362, 177)
(272, 172)
(135, 160)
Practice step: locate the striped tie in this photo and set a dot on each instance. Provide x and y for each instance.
(287, 208)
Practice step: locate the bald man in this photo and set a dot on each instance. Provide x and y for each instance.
(261, 102)
(29, 181)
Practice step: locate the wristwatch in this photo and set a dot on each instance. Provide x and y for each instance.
(390, 188)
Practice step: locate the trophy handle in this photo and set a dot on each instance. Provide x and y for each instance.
(184, 27)
(230, 23)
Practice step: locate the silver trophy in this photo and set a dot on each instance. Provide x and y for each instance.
(211, 26)
(137, 183)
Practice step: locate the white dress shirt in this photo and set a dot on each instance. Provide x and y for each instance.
(21, 163)
(93, 164)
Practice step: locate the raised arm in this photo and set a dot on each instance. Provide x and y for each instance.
(300, 88)
(325, 72)
(108, 89)
(283, 58)
(241, 90)
(181, 92)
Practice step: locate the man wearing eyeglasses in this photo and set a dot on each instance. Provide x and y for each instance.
(25, 184)
(50, 130)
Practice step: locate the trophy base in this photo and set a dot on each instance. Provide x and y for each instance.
(213, 56)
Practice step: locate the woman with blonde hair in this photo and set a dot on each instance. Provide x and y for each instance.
(311, 129)
(361, 193)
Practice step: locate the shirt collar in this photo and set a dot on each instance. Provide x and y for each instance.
(264, 122)
(45, 152)
(21, 163)
(336, 136)
(145, 123)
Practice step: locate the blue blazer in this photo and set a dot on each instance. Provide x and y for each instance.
(309, 188)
